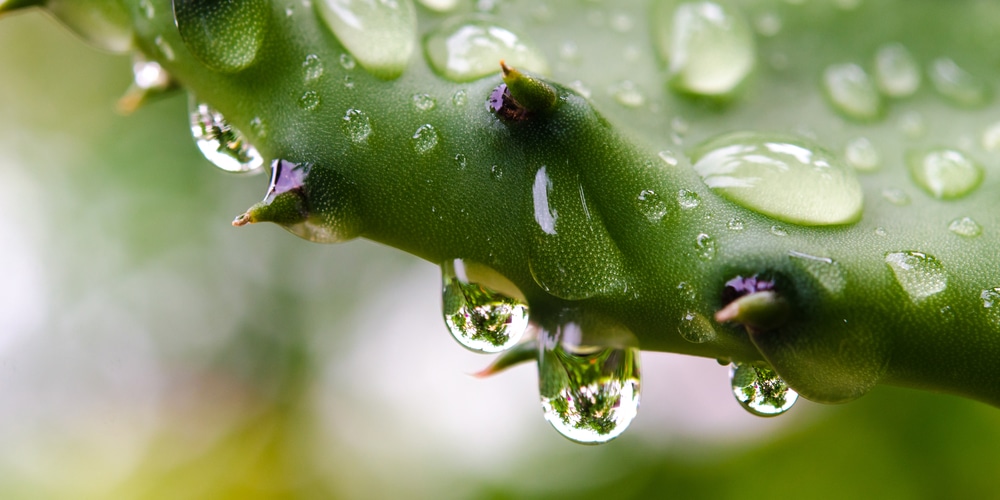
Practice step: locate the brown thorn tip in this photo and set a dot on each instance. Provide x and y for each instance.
(506, 69)
(242, 220)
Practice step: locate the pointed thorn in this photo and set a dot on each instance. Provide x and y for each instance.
(529, 91)
(521, 353)
(242, 220)
(506, 69)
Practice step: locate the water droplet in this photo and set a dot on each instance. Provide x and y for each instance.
(789, 179)
(704, 247)
(224, 35)
(896, 196)
(896, 71)
(709, 47)
(778, 231)
(147, 8)
(880, 231)
(348, 82)
(912, 124)
(823, 269)
(423, 102)
(460, 161)
(991, 303)
(735, 225)
(760, 391)
(651, 205)
(440, 5)
(424, 139)
(347, 62)
(258, 127)
(312, 68)
(944, 173)
(469, 48)
(484, 311)
(768, 24)
(861, 154)
(496, 172)
(221, 143)
(309, 100)
(852, 91)
(965, 226)
(357, 127)
(627, 94)
(164, 47)
(920, 275)
(688, 199)
(460, 98)
(958, 85)
(668, 158)
(580, 88)
(589, 390)
(380, 34)
(695, 328)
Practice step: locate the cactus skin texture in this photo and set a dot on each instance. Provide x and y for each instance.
(890, 297)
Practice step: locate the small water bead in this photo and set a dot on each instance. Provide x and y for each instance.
(459, 98)
(149, 75)
(357, 127)
(824, 270)
(958, 85)
(920, 275)
(768, 24)
(668, 158)
(896, 70)
(990, 140)
(309, 100)
(852, 92)
(424, 102)
(580, 88)
(651, 205)
(589, 390)
(469, 48)
(221, 143)
(965, 226)
(348, 82)
(258, 127)
(787, 178)
(881, 231)
(704, 246)
(686, 291)
(347, 62)
(688, 199)
(991, 303)
(380, 34)
(460, 161)
(944, 173)
(312, 68)
(440, 5)
(164, 47)
(484, 311)
(569, 51)
(226, 36)
(695, 328)
(147, 8)
(778, 230)
(424, 139)
(760, 390)
(861, 154)
(735, 225)
(708, 46)
(896, 196)
(496, 172)
(627, 94)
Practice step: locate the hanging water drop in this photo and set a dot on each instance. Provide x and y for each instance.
(958, 85)
(789, 179)
(695, 328)
(225, 36)
(357, 127)
(651, 205)
(708, 46)
(944, 173)
(589, 380)
(852, 92)
(424, 139)
(965, 226)
(760, 391)
(896, 70)
(920, 275)
(861, 154)
(380, 34)
(484, 311)
(221, 143)
(469, 48)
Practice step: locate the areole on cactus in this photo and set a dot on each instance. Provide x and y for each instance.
(643, 186)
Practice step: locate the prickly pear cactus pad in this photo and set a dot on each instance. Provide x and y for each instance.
(805, 190)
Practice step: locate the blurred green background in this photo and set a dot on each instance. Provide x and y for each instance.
(150, 350)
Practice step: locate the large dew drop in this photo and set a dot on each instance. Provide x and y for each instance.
(467, 49)
(789, 179)
(918, 274)
(380, 34)
(709, 46)
(944, 173)
(760, 391)
(589, 380)
(484, 311)
(226, 36)
(852, 92)
(221, 143)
